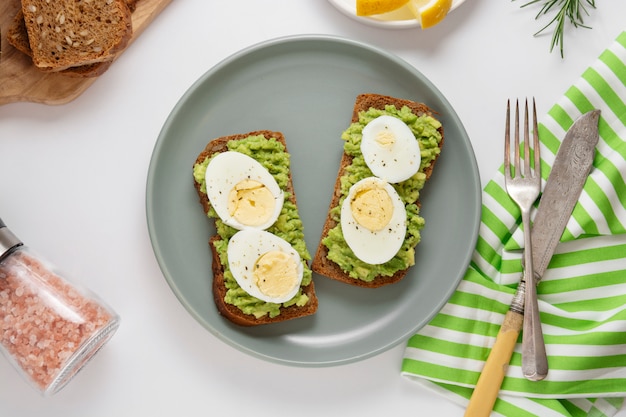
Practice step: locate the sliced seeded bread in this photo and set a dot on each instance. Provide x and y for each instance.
(71, 33)
(18, 37)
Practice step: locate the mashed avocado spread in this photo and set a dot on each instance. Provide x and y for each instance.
(272, 155)
(424, 128)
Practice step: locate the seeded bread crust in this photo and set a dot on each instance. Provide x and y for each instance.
(321, 264)
(230, 311)
(70, 33)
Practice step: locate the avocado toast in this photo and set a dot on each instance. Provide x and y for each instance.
(232, 301)
(334, 258)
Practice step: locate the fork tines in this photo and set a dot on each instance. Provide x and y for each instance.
(527, 159)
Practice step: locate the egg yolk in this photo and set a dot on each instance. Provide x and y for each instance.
(385, 138)
(276, 273)
(372, 208)
(251, 203)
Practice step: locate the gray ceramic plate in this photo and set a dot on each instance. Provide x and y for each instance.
(305, 86)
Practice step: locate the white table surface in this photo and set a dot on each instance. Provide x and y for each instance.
(73, 177)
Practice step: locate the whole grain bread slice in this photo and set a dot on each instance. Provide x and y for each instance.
(17, 36)
(70, 33)
(321, 264)
(230, 311)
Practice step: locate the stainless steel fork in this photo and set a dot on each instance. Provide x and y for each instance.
(523, 186)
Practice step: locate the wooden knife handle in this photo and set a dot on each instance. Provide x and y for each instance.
(490, 380)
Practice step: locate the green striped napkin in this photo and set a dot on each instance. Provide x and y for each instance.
(582, 297)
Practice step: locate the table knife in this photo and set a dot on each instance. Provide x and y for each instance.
(569, 172)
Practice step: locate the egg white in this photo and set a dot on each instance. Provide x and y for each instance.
(374, 247)
(225, 171)
(245, 247)
(396, 162)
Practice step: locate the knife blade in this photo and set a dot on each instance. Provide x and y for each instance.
(569, 172)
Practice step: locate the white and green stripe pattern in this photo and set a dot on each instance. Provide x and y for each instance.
(582, 297)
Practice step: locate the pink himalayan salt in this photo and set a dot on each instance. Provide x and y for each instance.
(44, 320)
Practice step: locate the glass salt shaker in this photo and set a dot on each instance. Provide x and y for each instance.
(49, 327)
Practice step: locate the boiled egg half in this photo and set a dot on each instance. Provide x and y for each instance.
(373, 220)
(242, 191)
(390, 149)
(265, 265)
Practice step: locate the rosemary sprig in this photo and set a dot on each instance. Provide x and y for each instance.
(571, 10)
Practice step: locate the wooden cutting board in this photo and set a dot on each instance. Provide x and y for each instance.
(21, 81)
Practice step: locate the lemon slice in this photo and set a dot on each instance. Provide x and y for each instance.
(371, 7)
(430, 12)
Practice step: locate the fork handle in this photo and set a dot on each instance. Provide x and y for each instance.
(534, 359)
(490, 380)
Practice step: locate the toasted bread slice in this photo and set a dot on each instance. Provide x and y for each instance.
(230, 311)
(321, 264)
(66, 33)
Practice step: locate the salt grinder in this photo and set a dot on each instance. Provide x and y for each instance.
(49, 328)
